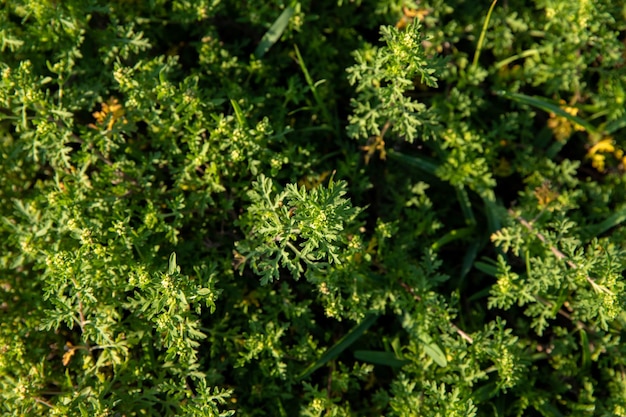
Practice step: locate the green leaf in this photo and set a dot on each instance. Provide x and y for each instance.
(485, 392)
(341, 345)
(239, 114)
(379, 358)
(547, 409)
(274, 33)
(172, 268)
(436, 354)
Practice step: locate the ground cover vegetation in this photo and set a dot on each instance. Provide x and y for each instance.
(316, 208)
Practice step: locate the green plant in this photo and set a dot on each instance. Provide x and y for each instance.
(374, 207)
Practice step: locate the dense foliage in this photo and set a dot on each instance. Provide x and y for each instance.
(316, 208)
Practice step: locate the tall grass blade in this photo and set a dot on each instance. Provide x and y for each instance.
(414, 161)
(466, 206)
(610, 222)
(545, 105)
(615, 125)
(380, 358)
(340, 346)
(313, 86)
(274, 33)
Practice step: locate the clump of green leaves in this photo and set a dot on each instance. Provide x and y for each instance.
(169, 170)
(383, 76)
(296, 229)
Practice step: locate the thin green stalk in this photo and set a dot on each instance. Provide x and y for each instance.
(481, 39)
(524, 54)
(313, 86)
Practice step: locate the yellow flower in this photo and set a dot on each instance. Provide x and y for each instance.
(111, 112)
(604, 146)
(597, 161)
(597, 153)
(408, 15)
(563, 127)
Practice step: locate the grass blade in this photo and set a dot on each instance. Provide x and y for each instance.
(313, 86)
(615, 125)
(274, 33)
(413, 161)
(586, 352)
(340, 346)
(613, 220)
(239, 114)
(490, 268)
(492, 210)
(380, 358)
(466, 206)
(451, 236)
(545, 105)
(469, 258)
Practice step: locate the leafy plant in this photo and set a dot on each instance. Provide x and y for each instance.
(447, 178)
(295, 228)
